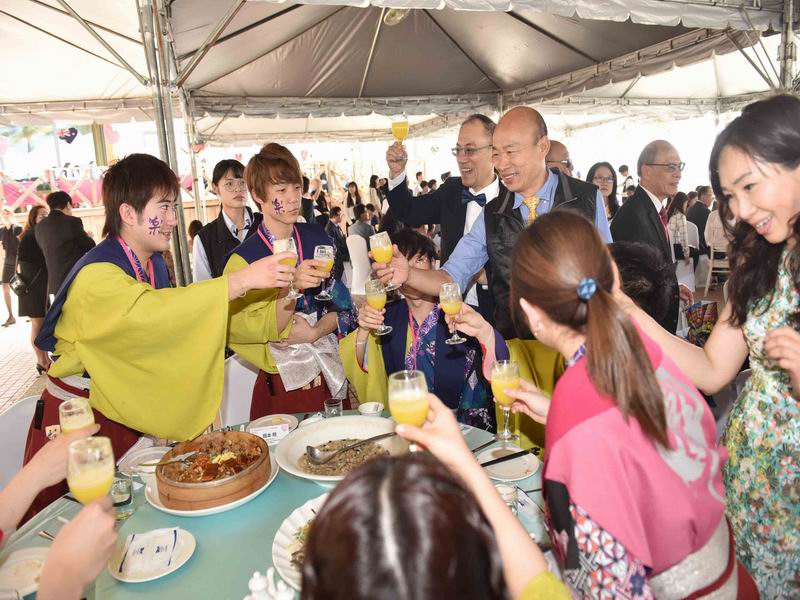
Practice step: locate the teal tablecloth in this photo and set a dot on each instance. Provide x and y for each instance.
(230, 545)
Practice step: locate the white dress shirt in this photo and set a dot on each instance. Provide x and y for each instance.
(200, 267)
(474, 210)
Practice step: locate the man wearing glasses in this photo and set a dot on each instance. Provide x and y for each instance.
(558, 158)
(458, 202)
(235, 222)
(643, 217)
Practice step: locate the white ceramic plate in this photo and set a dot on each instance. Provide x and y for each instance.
(512, 470)
(293, 446)
(129, 465)
(20, 571)
(151, 494)
(273, 420)
(281, 556)
(184, 548)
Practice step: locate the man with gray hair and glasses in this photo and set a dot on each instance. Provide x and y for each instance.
(457, 203)
(643, 217)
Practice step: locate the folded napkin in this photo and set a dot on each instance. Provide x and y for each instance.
(299, 364)
(149, 551)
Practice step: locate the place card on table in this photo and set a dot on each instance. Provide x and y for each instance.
(272, 433)
(149, 551)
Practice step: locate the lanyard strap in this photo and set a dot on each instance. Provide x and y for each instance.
(265, 234)
(136, 265)
(579, 353)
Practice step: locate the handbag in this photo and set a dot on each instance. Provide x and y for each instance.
(21, 287)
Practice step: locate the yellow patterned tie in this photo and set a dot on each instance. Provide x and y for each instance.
(532, 203)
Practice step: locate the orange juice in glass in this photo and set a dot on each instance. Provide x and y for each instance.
(382, 251)
(90, 468)
(325, 254)
(376, 298)
(450, 300)
(408, 397)
(75, 414)
(505, 376)
(288, 245)
(400, 128)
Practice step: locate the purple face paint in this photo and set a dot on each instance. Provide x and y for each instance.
(277, 205)
(154, 226)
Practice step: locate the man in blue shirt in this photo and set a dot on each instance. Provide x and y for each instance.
(520, 146)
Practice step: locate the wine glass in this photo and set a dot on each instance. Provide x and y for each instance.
(408, 399)
(450, 300)
(505, 376)
(75, 414)
(382, 251)
(326, 254)
(90, 468)
(288, 245)
(376, 298)
(400, 127)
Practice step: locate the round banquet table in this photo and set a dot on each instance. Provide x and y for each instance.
(230, 545)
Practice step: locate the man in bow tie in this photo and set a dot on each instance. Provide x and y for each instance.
(457, 203)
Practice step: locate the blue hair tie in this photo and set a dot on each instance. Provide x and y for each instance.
(587, 288)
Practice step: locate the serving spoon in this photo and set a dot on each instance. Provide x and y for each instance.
(320, 457)
(176, 459)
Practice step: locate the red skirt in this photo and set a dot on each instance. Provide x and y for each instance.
(46, 415)
(270, 397)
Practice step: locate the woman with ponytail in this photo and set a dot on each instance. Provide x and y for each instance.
(632, 476)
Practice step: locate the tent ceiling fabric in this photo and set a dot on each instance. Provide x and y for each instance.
(718, 14)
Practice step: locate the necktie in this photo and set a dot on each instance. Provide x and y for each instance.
(467, 197)
(664, 221)
(532, 203)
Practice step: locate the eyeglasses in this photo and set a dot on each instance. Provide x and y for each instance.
(671, 167)
(598, 179)
(234, 185)
(567, 163)
(468, 151)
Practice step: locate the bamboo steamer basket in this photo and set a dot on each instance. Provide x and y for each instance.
(208, 494)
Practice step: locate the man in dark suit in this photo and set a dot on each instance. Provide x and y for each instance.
(643, 217)
(457, 203)
(306, 203)
(334, 230)
(699, 211)
(62, 239)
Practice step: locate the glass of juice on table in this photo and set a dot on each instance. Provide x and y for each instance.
(90, 468)
(505, 376)
(400, 127)
(381, 246)
(288, 245)
(75, 414)
(325, 254)
(408, 398)
(376, 298)
(450, 300)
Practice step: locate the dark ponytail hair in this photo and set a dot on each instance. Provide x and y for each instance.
(768, 131)
(402, 528)
(551, 259)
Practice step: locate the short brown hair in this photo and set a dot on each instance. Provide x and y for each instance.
(273, 164)
(134, 181)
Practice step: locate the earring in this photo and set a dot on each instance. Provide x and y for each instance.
(538, 329)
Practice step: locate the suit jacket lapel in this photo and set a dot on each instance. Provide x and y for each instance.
(655, 219)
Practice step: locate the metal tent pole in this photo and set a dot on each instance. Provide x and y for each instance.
(787, 53)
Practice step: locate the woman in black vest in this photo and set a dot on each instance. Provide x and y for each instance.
(235, 223)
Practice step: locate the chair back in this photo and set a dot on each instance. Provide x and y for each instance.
(237, 391)
(14, 425)
(692, 235)
(357, 247)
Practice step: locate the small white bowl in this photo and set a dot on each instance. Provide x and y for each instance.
(370, 409)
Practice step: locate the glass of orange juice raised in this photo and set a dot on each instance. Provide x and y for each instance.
(90, 468)
(408, 397)
(288, 245)
(376, 298)
(505, 376)
(400, 127)
(381, 246)
(75, 414)
(325, 254)
(450, 300)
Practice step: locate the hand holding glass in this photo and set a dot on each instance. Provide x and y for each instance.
(75, 414)
(505, 376)
(325, 254)
(288, 245)
(90, 468)
(382, 251)
(450, 300)
(376, 298)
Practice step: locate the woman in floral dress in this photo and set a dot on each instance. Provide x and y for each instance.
(755, 172)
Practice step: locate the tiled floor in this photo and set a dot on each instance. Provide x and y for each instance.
(17, 361)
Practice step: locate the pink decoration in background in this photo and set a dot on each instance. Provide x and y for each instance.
(238, 156)
(112, 137)
(4, 144)
(198, 148)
